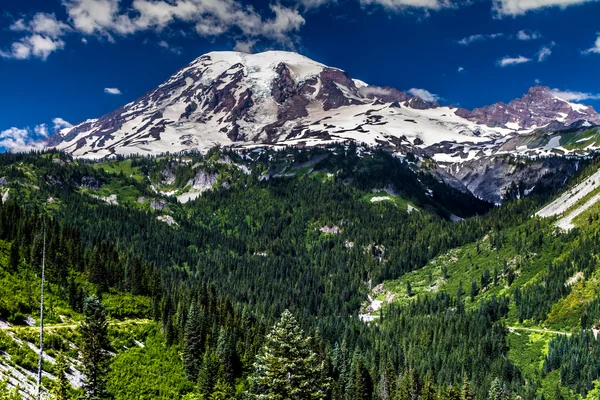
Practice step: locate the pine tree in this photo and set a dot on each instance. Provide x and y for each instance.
(94, 353)
(474, 290)
(193, 341)
(222, 391)
(286, 367)
(467, 392)
(498, 391)
(363, 384)
(60, 391)
(209, 373)
(428, 392)
(15, 256)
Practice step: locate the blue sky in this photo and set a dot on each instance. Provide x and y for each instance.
(64, 61)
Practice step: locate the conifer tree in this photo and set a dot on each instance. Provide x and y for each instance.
(498, 391)
(428, 392)
(193, 342)
(222, 391)
(363, 384)
(60, 391)
(94, 354)
(209, 373)
(467, 392)
(286, 367)
(15, 256)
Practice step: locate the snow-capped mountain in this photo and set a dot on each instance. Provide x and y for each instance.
(275, 97)
(536, 109)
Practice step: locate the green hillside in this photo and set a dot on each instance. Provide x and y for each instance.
(196, 258)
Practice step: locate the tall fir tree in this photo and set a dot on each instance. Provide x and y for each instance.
(193, 342)
(94, 350)
(60, 391)
(15, 256)
(467, 392)
(210, 372)
(287, 367)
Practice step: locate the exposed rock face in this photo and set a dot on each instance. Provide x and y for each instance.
(225, 98)
(537, 108)
(489, 177)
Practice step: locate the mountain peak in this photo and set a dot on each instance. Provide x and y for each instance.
(540, 107)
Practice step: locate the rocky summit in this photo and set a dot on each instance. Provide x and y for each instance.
(281, 98)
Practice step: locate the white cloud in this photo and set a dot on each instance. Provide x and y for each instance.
(60, 123)
(513, 8)
(41, 130)
(44, 33)
(575, 96)
(245, 46)
(21, 140)
(399, 5)
(26, 139)
(33, 46)
(165, 45)
(209, 17)
(374, 91)
(506, 61)
(43, 24)
(113, 91)
(527, 35)
(595, 48)
(479, 38)
(545, 52)
(460, 69)
(424, 95)
(315, 3)
(537, 81)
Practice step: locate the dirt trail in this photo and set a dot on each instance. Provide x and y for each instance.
(6, 327)
(516, 328)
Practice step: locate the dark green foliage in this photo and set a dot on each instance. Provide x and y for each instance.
(193, 343)
(287, 367)
(94, 349)
(60, 391)
(578, 358)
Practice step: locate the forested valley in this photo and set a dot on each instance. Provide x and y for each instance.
(326, 273)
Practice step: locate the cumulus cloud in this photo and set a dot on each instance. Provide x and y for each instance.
(368, 91)
(26, 139)
(545, 52)
(18, 140)
(113, 91)
(59, 123)
(245, 46)
(513, 8)
(595, 48)
(575, 96)
(43, 37)
(506, 61)
(424, 95)
(209, 17)
(399, 5)
(110, 19)
(479, 38)
(527, 35)
(42, 24)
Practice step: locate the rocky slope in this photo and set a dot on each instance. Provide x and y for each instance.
(280, 98)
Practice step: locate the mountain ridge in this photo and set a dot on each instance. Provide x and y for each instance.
(237, 99)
